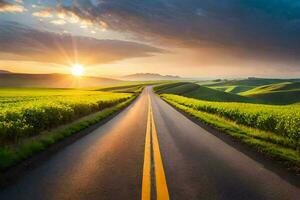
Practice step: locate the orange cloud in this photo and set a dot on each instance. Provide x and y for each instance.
(58, 22)
(68, 15)
(12, 8)
(43, 14)
(22, 43)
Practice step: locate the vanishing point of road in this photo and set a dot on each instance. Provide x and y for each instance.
(150, 151)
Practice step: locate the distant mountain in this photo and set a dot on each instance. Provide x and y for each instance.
(53, 80)
(5, 72)
(149, 76)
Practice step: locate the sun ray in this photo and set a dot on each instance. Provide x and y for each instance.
(77, 70)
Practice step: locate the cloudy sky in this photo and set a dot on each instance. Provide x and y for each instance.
(193, 38)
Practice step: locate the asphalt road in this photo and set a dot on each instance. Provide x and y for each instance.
(186, 162)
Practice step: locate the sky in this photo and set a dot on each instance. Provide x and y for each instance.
(190, 38)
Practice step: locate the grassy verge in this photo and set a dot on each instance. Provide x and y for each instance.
(280, 120)
(267, 143)
(11, 155)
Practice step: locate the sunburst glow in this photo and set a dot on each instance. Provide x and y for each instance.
(77, 70)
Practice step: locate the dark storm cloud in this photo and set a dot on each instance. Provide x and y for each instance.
(254, 29)
(20, 42)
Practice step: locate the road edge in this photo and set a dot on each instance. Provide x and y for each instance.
(268, 162)
(18, 170)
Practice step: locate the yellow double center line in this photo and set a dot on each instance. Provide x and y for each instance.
(162, 192)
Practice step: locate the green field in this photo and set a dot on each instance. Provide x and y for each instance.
(26, 112)
(276, 87)
(254, 82)
(278, 93)
(251, 112)
(196, 91)
(235, 89)
(264, 91)
(282, 120)
(255, 116)
(268, 91)
(29, 117)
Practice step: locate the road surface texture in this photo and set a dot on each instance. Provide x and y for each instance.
(150, 151)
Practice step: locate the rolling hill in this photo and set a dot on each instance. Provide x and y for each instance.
(235, 89)
(285, 86)
(254, 82)
(278, 93)
(52, 80)
(239, 85)
(201, 92)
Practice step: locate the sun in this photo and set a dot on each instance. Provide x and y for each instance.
(77, 70)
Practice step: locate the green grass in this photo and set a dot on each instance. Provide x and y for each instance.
(221, 88)
(279, 98)
(279, 93)
(263, 91)
(124, 88)
(196, 91)
(272, 145)
(235, 89)
(29, 117)
(179, 88)
(41, 92)
(27, 112)
(13, 154)
(254, 82)
(209, 82)
(281, 120)
(166, 86)
(285, 86)
(256, 120)
(267, 91)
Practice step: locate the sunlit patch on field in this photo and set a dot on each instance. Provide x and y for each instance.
(26, 112)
